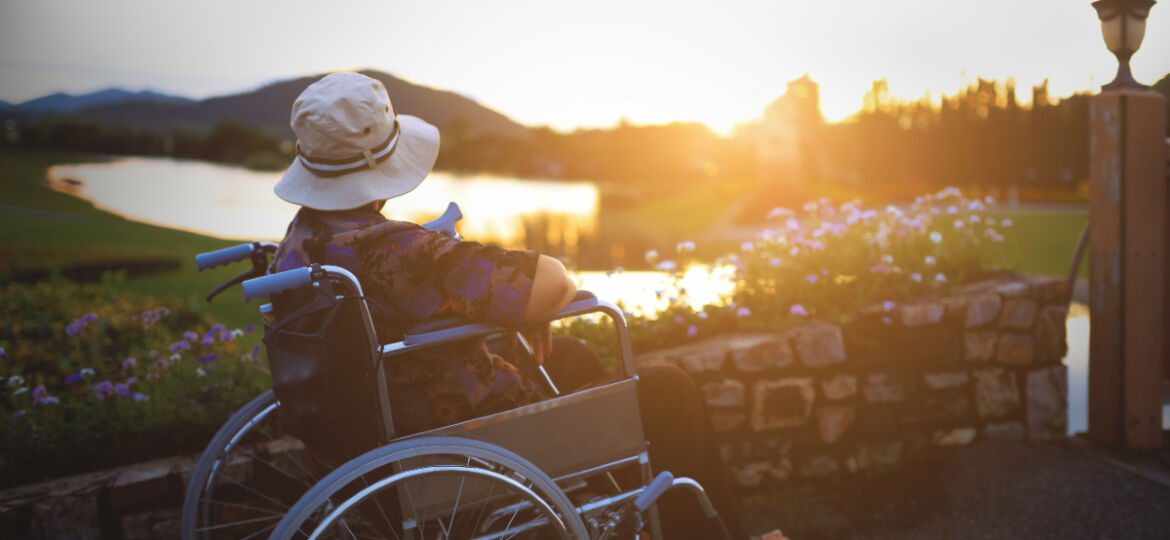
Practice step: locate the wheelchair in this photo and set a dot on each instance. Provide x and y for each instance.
(543, 470)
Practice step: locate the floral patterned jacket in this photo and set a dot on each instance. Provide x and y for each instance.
(412, 274)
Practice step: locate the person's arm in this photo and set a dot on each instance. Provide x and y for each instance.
(552, 290)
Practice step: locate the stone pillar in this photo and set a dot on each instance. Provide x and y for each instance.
(1127, 266)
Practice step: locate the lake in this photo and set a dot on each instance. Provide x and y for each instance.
(236, 203)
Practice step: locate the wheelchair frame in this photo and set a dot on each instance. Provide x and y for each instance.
(584, 417)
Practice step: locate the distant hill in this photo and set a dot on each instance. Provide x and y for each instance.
(268, 108)
(68, 103)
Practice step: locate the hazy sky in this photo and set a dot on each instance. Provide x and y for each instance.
(568, 64)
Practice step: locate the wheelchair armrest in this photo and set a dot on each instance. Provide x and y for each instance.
(455, 327)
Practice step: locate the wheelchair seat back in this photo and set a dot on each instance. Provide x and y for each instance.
(323, 370)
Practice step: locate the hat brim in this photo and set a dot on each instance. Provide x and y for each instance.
(404, 170)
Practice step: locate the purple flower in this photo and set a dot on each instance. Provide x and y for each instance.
(40, 392)
(888, 306)
(207, 341)
(811, 278)
(131, 380)
(3, 353)
(208, 358)
(190, 336)
(887, 320)
(249, 329)
(916, 277)
(122, 389)
(216, 328)
(181, 345)
(140, 397)
(798, 310)
(129, 363)
(48, 400)
(692, 331)
(73, 378)
(162, 310)
(16, 415)
(678, 319)
(104, 389)
(879, 269)
(743, 312)
(225, 336)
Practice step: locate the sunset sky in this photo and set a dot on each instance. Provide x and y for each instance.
(571, 64)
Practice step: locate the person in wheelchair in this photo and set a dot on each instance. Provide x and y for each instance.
(354, 153)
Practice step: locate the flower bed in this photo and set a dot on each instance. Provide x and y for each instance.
(94, 377)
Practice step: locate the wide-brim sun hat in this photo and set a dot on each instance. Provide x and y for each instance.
(352, 148)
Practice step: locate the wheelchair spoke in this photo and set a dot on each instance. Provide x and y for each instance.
(482, 509)
(274, 520)
(257, 493)
(306, 481)
(245, 507)
(382, 512)
(259, 532)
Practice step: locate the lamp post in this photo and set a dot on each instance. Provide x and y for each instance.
(1123, 24)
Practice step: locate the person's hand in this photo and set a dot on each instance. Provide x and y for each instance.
(539, 337)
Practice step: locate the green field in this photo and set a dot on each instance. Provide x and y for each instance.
(44, 227)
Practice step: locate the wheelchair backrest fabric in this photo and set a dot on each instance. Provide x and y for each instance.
(323, 373)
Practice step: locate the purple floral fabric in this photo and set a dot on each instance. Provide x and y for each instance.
(413, 275)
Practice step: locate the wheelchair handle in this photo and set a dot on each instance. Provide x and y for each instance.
(276, 283)
(446, 222)
(220, 257)
(661, 483)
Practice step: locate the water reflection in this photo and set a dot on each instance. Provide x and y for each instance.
(648, 293)
(236, 203)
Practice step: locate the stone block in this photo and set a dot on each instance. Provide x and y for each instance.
(153, 525)
(979, 345)
(883, 388)
(754, 474)
(726, 420)
(953, 437)
(701, 361)
(839, 386)
(834, 420)
(1018, 314)
(875, 456)
(946, 408)
(759, 352)
(1004, 431)
(1049, 288)
(923, 313)
(74, 516)
(939, 381)
(996, 393)
(1048, 403)
(981, 310)
(144, 482)
(1049, 334)
(1015, 350)
(724, 393)
(782, 403)
(1013, 289)
(755, 449)
(818, 465)
(818, 344)
(876, 420)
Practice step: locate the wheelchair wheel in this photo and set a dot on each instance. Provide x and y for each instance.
(248, 477)
(436, 487)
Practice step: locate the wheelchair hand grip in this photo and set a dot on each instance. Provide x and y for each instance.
(446, 222)
(275, 283)
(212, 259)
(661, 483)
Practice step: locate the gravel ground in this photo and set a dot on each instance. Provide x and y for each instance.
(988, 490)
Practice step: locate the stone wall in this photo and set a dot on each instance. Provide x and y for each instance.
(820, 399)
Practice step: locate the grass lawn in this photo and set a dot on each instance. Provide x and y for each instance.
(43, 226)
(1045, 240)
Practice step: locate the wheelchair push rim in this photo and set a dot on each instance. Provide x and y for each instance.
(435, 485)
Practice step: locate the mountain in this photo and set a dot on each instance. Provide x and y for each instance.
(268, 108)
(68, 103)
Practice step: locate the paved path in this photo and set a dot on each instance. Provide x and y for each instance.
(989, 490)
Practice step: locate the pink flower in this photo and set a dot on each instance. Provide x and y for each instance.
(798, 310)
(743, 312)
(692, 331)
